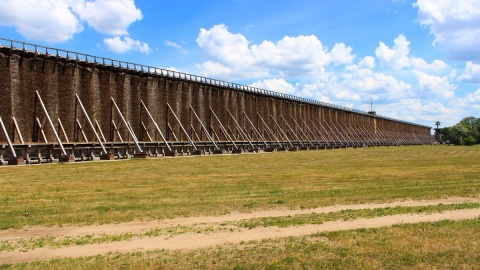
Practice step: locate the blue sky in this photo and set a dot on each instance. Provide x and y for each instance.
(418, 60)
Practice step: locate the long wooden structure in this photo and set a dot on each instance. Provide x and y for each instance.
(62, 105)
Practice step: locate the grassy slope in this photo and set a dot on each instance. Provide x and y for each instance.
(108, 192)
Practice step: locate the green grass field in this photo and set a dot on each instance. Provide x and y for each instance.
(120, 191)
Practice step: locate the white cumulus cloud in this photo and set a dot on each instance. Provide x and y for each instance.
(48, 20)
(60, 20)
(397, 57)
(341, 54)
(289, 57)
(421, 64)
(111, 17)
(367, 62)
(469, 102)
(292, 55)
(224, 47)
(361, 78)
(471, 73)
(435, 86)
(455, 25)
(414, 109)
(277, 85)
(119, 45)
(415, 90)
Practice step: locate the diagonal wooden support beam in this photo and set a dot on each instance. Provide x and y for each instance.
(340, 133)
(194, 132)
(17, 128)
(325, 139)
(291, 130)
(99, 140)
(100, 131)
(281, 131)
(156, 125)
(8, 138)
(345, 134)
(60, 127)
(146, 131)
(353, 134)
(40, 126)
(233, 134)
(311, 132)
(255, 129)
(369, 135)
(269, 130)
(82, 131)
(51, 123)
(118, 131)
(359, 134)
(171, 130)
(332, 133)
(240, 130)
(204, 129)
(130, 131)
(301, 130)
(181, 127)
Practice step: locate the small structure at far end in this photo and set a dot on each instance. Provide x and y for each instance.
(436, 134)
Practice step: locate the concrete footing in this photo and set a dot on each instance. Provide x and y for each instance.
(16, 161)
(67, 158)
(173, 153)
(107, 157)
(198, 152)
(237, 151)
(141, 155)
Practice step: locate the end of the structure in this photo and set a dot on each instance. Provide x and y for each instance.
(436, 134)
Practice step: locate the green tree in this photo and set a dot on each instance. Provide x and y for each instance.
(469, 122)
(470, 140)
(447, 134)
(467, 131)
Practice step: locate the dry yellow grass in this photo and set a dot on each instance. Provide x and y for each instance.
(109, 192)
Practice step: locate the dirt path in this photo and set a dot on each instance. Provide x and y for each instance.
(201, 240)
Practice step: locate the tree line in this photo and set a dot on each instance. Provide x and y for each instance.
(466, 132)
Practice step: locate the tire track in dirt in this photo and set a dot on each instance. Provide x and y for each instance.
(141, 226)
(201, 240)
